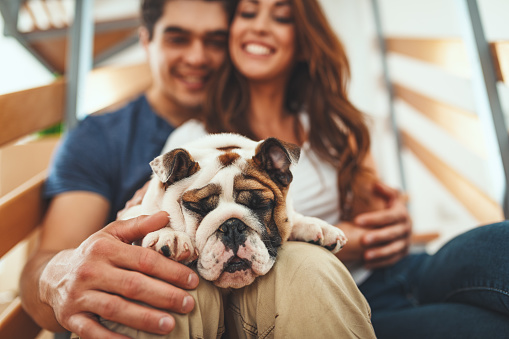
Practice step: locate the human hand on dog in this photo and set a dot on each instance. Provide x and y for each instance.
(387, 232)
(88, 282)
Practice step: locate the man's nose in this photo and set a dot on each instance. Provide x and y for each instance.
(197, 54)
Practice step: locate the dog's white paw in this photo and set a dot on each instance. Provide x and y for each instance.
(317, 231)
(172, 244)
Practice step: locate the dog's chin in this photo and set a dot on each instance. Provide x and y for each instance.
(237, 279)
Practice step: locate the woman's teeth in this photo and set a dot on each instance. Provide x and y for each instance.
(193, 79)
(257, 49)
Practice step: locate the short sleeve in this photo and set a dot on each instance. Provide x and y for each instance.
(81, 162)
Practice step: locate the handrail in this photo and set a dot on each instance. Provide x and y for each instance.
(16, 323)
(21, 211)
(31, 110)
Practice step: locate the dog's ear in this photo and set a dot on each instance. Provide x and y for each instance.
(275, 157)
(174, 166)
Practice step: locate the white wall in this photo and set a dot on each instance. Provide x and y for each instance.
(432, 207)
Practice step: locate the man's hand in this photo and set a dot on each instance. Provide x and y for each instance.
(90, 281)
(379, 238)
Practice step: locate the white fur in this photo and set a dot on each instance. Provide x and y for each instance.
(190, 239)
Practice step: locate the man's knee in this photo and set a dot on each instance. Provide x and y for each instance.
(303, 259)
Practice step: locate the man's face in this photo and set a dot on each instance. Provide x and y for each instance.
(189, 43)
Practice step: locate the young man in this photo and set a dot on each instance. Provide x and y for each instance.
(84, 276)
(81, 269)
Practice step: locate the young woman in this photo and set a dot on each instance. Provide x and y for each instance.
(287, 78)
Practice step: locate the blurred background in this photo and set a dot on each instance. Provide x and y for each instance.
(391, 83)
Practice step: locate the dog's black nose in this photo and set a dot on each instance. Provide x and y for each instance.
(233, 233)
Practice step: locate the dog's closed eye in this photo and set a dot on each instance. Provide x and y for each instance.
(255, 200)
(203, 206)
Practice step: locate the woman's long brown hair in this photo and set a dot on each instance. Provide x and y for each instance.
(318, 85)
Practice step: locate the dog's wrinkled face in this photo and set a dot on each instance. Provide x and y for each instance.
(231, 197)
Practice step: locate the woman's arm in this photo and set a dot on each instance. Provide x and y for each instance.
(379, 234)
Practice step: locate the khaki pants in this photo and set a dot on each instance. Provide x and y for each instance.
(308, 293)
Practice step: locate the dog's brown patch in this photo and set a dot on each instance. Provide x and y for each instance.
(262, 199)
(200, 193)
(279, 215)
(228, 158)
(174, 166)
(202, 200)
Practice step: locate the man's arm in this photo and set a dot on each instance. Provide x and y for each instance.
(80, 270)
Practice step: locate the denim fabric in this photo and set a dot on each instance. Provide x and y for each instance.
(462, 291)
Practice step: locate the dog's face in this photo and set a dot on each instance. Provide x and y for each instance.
(229, 193)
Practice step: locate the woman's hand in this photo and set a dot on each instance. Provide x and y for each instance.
(379, 238)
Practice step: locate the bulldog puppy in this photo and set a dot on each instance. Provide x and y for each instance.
(226, 196)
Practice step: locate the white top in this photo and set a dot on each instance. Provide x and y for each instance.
(313, 190)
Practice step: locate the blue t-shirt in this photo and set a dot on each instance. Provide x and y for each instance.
(109, 154)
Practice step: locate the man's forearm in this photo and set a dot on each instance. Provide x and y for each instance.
(29, 289)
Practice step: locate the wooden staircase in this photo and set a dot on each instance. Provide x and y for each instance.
(42, 27)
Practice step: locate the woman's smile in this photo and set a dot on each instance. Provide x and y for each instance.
(258, 49)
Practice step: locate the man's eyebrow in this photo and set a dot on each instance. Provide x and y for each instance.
(180, 30)
(176, 29)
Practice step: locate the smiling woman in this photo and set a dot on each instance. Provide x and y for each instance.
(263, 56)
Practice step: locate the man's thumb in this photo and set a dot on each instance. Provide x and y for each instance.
(131, 230)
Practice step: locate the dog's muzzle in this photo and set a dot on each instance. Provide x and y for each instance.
(233, 233)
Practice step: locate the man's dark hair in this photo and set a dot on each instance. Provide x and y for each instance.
(152, 10)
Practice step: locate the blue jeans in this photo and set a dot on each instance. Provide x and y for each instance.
(462, 291)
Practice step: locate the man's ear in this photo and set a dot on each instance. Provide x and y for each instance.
(144, 36)
(174, 166)
(275, 157)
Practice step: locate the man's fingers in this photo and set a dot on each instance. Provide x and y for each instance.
(133, 229)
(87, 327)
(120, 310)
(152, 263)
(137, 286)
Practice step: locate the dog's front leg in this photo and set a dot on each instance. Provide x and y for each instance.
(173, 244)
(317, 231)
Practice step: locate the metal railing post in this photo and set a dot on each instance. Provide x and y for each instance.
(385, 66)
(489, 109)
(79, 61)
